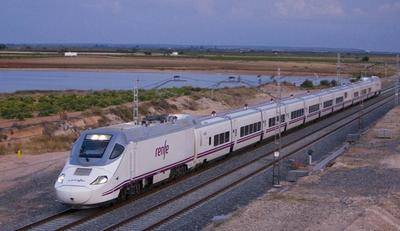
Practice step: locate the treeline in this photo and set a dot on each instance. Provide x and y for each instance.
(22, 105)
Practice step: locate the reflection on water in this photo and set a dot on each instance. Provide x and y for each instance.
(11, 81)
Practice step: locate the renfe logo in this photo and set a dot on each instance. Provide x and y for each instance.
(162, 151)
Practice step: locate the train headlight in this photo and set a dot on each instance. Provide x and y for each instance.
(60, 178)
(100, 180)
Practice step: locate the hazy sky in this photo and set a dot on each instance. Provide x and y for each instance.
(366, 24)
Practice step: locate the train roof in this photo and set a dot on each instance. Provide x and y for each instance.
(205, 121)
(134, 132)
(241, 113)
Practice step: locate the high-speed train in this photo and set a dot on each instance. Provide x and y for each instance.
(112, 162)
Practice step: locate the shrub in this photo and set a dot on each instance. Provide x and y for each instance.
(307, 84)
(325, 83)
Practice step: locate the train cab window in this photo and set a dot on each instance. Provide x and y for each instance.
(313, 108)
(345, 95)
(94, 146)
(328, 103)
(117, 151)
(339, 100)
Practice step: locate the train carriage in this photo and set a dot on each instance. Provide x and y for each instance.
(246, 125)
(213, 138)
(295, 112)
(270, 115)
(312, 107)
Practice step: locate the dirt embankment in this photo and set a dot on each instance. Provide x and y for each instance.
(57, 132)
(181, 64)
(360, 192)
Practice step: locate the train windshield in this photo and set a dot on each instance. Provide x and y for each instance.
(94, 145)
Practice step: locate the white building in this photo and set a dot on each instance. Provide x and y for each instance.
(71, 54)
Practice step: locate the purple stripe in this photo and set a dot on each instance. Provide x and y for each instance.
(296, 120)
(165, 168)
(248, 137)
(313, 114)
(168, 167)
(275, 127)
(338, 105)
(214, 149)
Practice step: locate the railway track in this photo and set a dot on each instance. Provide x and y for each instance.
(139, 221)
(202, 191)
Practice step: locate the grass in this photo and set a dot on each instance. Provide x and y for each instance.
(24, 105)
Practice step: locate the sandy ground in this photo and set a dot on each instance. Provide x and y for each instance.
(181, 64)
(361, 191)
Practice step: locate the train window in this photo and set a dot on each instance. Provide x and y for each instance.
(339, 100)
(356, 94)
(226, 137)
(259, 126)
(251, 128)
(246, 130)
(271, 121)
(345, 95)
(117, 151)
(328, 103)
(363, 92)
(221, 138)
(241, 131)
(216, 140)
(282, 118)
(209, 140)
(369, 89)
(297, 113)
(313, 108)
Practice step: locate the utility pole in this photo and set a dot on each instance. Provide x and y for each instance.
(136, 102)
(276, 166)
(338, 70)
(385, 69)
(397, 85)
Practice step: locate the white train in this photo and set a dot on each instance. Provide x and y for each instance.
(112, 162)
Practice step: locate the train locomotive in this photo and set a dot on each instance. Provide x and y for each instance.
(112, 162)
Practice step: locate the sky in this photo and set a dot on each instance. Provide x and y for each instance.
(363, 24)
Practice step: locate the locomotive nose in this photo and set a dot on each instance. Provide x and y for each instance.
(73, 194)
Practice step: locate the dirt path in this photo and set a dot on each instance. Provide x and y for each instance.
(360, 192)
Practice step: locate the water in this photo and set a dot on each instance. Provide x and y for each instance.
(11, 81)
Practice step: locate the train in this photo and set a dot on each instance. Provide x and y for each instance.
(110, 163)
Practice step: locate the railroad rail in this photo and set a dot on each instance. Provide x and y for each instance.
(75, 219)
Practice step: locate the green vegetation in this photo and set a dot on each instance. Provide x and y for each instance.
(365, 59)
(25, 105)
(307, 84)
